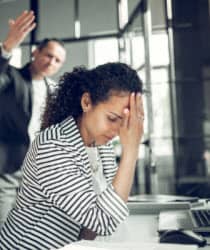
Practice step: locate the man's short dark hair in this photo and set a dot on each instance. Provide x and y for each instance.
(45, 42)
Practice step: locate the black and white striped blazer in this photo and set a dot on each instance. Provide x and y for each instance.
(56, 197)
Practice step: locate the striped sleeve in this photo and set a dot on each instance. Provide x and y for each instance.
(61, 177)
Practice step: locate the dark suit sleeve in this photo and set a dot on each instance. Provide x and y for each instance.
(4, 76)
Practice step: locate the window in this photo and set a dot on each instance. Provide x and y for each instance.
(106, 50)
(102, 51)
(159, 87)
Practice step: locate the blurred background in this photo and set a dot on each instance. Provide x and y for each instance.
(168, 43)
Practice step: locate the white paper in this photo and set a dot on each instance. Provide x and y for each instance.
(95, 245)
(79, 247)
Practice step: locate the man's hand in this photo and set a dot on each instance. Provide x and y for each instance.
(19, 29)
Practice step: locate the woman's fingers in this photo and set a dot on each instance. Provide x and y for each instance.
(136, 121)
(132, 107)
(136, 107)
(125, 121)
(132, 125)
(139, 106)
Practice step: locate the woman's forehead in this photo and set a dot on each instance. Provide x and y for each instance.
(117, 101)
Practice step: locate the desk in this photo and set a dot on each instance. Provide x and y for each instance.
(138, 228)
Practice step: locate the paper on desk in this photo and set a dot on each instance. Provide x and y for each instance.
(95, 245)
(79, 247)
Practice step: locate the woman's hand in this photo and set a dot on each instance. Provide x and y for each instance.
(131, 130)
(19, 29)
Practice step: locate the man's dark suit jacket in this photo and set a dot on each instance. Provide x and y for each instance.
(15, 114)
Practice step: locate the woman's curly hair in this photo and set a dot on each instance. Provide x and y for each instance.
(99, 82)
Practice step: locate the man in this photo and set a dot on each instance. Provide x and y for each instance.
(22, 97)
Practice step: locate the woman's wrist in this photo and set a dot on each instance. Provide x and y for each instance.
(129, 158)
(130, 151)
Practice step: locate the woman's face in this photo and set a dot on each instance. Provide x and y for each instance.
(100, 123)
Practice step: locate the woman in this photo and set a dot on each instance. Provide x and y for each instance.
(71, 186)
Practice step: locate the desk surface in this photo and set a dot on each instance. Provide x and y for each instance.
(138, 228)
(137, 232)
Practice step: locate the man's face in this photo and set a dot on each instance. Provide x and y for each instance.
(48, 60)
